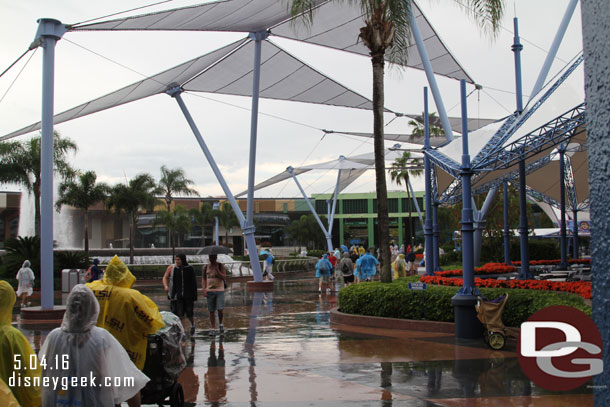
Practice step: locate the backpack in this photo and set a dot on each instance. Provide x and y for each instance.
(345, 269)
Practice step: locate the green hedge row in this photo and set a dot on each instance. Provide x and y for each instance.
(395, 300)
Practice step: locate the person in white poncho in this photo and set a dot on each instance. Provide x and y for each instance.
(25, 277)
(80, 349)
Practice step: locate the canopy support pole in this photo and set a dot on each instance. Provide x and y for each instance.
(49, 32)
(423, 53)
(523, 226)
(517, 48)
(436, 234)
(575, 233)
(562, 223)
(479, 224)
(250, 228)
(506, 225)
(331, 218)
(419, 215)
(561, 30)
(428, 233)
(176, 94)
(467, 326)
(311, 208)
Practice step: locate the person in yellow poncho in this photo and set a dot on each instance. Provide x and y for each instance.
(127, 314)
(15, 353)
(7, 399)
(399, 267)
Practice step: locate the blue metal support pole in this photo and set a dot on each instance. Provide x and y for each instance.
(250, 228)
(517, 47)
(428, 233)
(468, 287)
(550, 57)
(216, 228)
(575, 233)
(311, 208)
(506, 226)
(467, 325)
(176, 94)
(49, 32)
(479, 224)
(423, 53)
(523, 226)
(435, 236)
(331, 217)
(562, 226)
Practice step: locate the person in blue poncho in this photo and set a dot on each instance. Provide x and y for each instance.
(323, 270)
(368, 266)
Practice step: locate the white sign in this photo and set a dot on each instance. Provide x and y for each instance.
(417, 286)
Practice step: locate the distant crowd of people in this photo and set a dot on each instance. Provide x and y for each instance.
(356, 265)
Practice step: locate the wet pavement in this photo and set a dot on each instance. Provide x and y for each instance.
(279, 349)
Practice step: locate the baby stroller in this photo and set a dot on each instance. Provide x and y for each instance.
(165, 361)
(490, 315)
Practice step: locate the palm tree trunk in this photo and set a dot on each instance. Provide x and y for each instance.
(382, 192)
(36, 188)
(409, 208)
(132, 223)
(171, 242)
(87, 233)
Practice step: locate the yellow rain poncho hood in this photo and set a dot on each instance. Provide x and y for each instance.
(12, 342)
(126, 313)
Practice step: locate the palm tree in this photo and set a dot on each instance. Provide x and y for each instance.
(202, 217)
(82, 194)
(435, 127)
(173, 181)
(20, 164)
(176, 221)
(131, 198)
(227, 218)
(387, 30)
(400, 171)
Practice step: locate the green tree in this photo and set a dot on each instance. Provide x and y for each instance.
(387, 31)
(174, 182)
(82, 194)
(202, 217)
(306, 231)
(20, 164)
(400, 171)
(131, 198)
(435, 126)
(227, 218)
(177, 222)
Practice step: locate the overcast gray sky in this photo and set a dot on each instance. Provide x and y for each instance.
(141, 136)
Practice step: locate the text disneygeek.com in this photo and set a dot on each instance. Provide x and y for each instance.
(67, 382)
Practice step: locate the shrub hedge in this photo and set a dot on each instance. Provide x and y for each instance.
(395, 300)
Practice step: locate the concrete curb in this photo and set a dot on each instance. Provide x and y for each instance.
(338, 317)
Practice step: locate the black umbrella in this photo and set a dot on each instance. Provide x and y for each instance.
(215, 250)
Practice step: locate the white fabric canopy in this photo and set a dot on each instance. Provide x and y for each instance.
(352, 168)
(336, 25)
(228, 70)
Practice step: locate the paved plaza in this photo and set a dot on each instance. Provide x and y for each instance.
(280, 350)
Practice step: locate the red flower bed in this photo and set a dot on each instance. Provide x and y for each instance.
(552, 262)
(489, 268)
(582, 288)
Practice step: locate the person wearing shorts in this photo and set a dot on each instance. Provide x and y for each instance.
(346, 266)
(213, 282)
(181, 286)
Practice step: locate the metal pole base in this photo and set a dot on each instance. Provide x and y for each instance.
(467, 325)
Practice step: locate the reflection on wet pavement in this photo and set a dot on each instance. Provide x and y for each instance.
(279, 349)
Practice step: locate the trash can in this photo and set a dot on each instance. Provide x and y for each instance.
(70, 278)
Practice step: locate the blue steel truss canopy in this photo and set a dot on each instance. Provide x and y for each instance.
(335, 25)
(547, 120)
(228, 70)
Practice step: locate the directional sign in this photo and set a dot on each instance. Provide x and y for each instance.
(417, 286)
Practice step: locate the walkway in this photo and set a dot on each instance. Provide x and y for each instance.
(280, 351)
